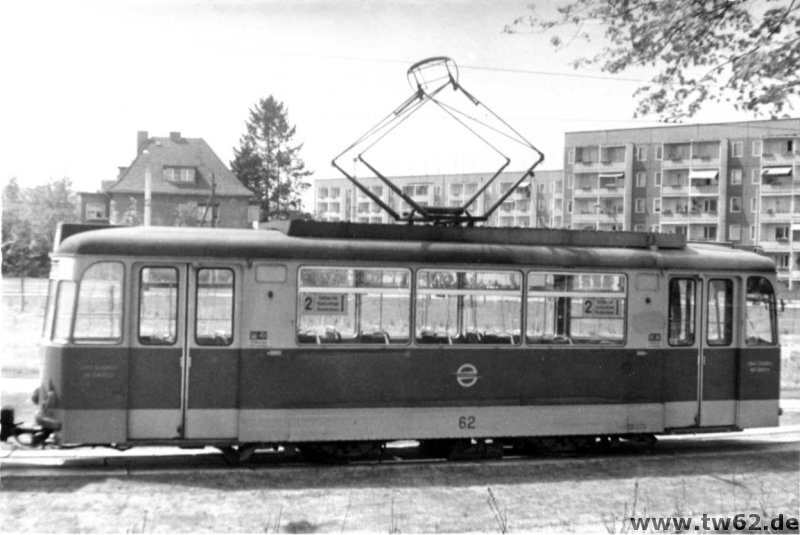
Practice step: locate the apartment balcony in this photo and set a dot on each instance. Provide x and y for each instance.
(705, 162)
(675, 190)
(773, 215)
(705, 190)
(586, 167)
(779, 246)
(676, 162)
(585, 191)
(611, 191)
(779, 157)
(587, 216)
(782, 188)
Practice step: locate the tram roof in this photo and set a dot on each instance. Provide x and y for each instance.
(394, 244)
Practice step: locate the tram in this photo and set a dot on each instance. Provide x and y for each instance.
(342, 336)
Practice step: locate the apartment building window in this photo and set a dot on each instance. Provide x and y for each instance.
(754, 205)
(569, 207)
(736, 176)
(656, 206)
(659, 152)
(571, 155)
(322, 193)
(736, 205)
(658, 178)
(755, 177)
(639, 207)
(641, 179)
(471, 188)
(735, 233)
(782, 233)
(335, 192)
(753, 232)
(455, 190)
(757, 147)
(641, 153)
(738, 149)
(638, 228)
(710, 232)
(569, 181)
(655, 228)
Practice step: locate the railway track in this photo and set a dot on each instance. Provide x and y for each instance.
(21, 462)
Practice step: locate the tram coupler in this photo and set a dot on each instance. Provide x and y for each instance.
(9, 428)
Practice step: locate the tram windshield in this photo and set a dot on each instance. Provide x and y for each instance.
(761, 325)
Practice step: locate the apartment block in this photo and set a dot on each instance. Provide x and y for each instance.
(729, 182)
(529, 205)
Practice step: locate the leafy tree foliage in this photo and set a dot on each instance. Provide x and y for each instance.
(746, 52)
(268, 162)
(30, 216)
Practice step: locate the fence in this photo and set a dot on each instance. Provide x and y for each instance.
(24, 295)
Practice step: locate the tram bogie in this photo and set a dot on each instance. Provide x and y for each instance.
(339, 343)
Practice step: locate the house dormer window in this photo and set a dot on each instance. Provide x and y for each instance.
(182, 175)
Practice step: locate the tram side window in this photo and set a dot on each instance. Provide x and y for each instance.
(158, 306)
(761, 328)
(576, 308)
(65, 301)
(681, 312)
(99, 313)
(214, 321)
(472, 307)
(354, 305)
(720, 313)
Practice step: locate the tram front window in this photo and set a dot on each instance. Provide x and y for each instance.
(761, 325)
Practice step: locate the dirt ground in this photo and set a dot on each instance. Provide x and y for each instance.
(561, 495)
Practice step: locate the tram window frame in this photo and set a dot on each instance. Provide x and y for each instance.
(682, 333)
(116, 315)
(66, 288)
(760, 291)
(455, 282)
(724, 322)
(349, 293)
(175, 323)
(598, 300)
(50, 309)
(226, 338)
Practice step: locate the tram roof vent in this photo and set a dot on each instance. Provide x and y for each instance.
(488, 235)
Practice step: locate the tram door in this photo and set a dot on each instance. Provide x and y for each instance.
(701, 320)
(184, 367)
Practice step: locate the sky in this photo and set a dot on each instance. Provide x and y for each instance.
(81, 78)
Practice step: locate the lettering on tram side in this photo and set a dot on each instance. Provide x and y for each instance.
(98, 371)
(466, 422)
(258, 338)
(759, 366)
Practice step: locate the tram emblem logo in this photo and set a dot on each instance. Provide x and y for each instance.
(467, 375)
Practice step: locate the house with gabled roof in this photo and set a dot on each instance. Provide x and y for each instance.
(189, 186)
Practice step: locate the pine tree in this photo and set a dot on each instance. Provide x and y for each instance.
(268, 163)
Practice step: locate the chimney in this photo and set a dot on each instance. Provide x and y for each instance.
(141, 140)
(175, 137)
